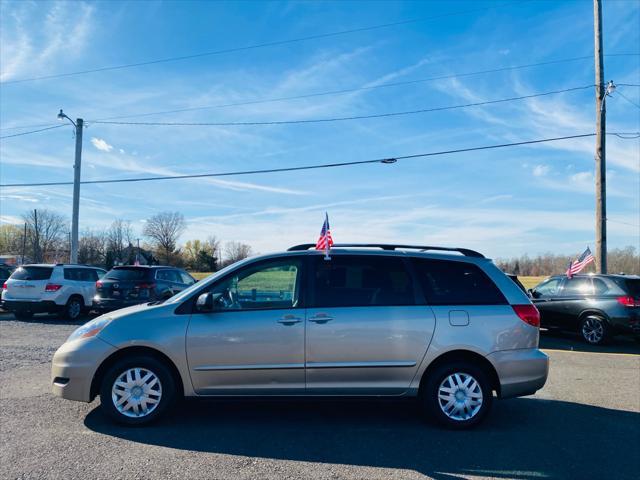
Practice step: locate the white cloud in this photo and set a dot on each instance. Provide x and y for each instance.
(101, 144)
(541, 170)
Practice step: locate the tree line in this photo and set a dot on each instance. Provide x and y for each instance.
(44, 238)
(619, 260)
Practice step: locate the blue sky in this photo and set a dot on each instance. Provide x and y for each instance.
(503, 202)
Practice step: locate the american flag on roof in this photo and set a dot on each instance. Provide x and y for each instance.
(325, 241)
(578, 264)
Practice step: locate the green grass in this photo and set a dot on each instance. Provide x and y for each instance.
(530, 282)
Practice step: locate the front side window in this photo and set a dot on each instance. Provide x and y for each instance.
(364, 280)
(456, 283)
(268, 285)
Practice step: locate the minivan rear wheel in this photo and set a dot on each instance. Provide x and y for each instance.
(137, 390)
(457, 395)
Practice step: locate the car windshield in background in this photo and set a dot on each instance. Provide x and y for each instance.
(32, 273)
(126, 274)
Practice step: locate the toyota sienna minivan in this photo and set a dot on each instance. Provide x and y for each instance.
(444, 325)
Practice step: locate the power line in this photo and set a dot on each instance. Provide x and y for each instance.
(387, 160)
(340, 119)
(628, 99)
(256, 46)
(32, 131)
(341, 91)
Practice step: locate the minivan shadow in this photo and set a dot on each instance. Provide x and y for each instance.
(524, 438)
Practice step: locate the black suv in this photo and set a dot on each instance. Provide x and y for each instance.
(130, 285)
(596, 306)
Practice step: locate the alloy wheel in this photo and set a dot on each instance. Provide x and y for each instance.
(593, 330)
(460, 396)
(136, 392)
(74, 309)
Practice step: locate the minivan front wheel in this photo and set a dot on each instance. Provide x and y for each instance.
(137, 390)
(73, 308)
(458, 395)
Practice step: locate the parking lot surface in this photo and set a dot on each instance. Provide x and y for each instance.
(584, 424)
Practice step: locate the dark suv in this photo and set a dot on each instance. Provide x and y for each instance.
(130, 285)
(596, 306)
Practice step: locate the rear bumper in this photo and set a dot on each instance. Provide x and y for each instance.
(40, 306)
(521, 372)
(629, 324)
(74, 365)
(110, 304)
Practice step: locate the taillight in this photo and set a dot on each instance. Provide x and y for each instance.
(98, 284)
(629, 301)
(4, 286)
(528, 314)
(146, 285)
(52, 287)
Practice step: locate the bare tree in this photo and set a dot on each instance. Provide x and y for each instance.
(118, 237)
(92, 248)
(46, 234)
(164, 230)
(236, 251)
(11, 239)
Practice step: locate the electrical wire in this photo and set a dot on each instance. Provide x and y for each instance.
(32, 131)
(257, 46)
(628, 99)
(340, 119)
(388, 160)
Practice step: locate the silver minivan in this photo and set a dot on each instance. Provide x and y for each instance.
(444, 325)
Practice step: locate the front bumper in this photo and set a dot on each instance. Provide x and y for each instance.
(521, 372)
(39, 306)
(74, 365)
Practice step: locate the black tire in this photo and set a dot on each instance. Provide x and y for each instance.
(430, 401)
(166, 385)
(594, 330)
(23, 315)
(73, 308)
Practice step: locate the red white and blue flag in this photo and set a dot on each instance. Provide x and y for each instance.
(578, 264)
(325, 241)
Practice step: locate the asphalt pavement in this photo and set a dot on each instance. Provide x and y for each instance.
(584, 424)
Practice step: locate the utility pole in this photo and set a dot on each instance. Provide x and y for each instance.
(24, 242)
(76, 192)
(600, 156)
(78, 124)
(36, 237)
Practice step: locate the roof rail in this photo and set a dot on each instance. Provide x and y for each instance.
(386, 246)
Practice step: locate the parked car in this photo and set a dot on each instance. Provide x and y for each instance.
(391, 321)
(595, 306)
(130, 285)
(64, 289)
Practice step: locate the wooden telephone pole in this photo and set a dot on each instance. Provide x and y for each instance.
(600, 157)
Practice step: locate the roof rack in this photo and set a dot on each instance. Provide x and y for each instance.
(385, 246)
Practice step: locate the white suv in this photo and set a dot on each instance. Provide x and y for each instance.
(64, 289)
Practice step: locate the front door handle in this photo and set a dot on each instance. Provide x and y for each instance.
(289, 320)
(321, 318)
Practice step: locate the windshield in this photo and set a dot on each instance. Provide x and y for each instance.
(32, 273)
(206, 281)
(126, 274)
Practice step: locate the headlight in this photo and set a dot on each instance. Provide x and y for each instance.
(90, 329)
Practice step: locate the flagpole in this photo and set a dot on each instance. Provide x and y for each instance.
(326, 235)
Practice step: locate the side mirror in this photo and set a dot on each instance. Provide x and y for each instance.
(206, 302)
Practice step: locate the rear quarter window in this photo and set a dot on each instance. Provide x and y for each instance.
(32, 273)
(456, 283)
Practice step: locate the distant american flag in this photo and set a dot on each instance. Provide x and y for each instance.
(578, 265)
(325, 241)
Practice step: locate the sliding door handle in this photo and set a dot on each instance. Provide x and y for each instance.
(289, 320)
(321, 318)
